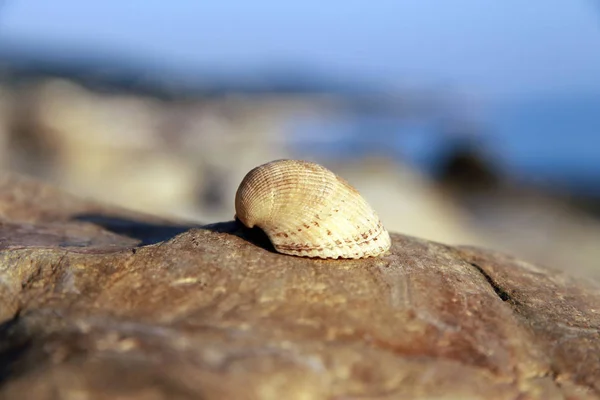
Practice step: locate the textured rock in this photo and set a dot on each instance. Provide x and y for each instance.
(99, 303)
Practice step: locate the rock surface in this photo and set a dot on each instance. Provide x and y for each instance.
(101, 303)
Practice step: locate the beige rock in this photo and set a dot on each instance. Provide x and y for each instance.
(99, 303)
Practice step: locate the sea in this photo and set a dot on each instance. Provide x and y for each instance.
(551, 140)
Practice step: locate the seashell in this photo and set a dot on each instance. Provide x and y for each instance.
(306, 210)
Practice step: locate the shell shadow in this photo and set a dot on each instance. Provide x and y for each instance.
(14, 345)
(151, 233)
(256, 236)
(147, 233)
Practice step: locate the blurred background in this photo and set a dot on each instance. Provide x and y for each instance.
(461, 121)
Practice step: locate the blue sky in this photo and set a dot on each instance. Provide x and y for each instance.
(491, 48)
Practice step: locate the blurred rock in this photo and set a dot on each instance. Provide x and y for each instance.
(543, 226)
(138, 151)
(468, 167)
(4, 127)
(212, 313)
